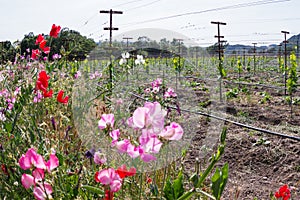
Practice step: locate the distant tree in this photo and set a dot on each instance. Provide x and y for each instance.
(69, 43)
(8, 52)
(212, 50)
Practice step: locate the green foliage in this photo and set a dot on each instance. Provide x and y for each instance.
(69, 43)
(266, 97)
(292, 72)
(232, 93)
(221, 69)
(239, 65)
(7, 52)
(219, 180)
(173, 190)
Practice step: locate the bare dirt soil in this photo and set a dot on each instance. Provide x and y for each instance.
(259, 163)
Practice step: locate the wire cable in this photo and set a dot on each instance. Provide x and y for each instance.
(231, 122)
(144, 5)
(241, 5)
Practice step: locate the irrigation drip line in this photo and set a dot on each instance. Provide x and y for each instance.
(239, 83)
(230, 121)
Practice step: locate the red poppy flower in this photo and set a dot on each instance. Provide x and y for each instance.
(283, 192)
(42, 44)
(35, 53)
(48, 93)
(60, 97)
(148, 180)
(39, 39)
(42, 82)
(4, 169)
(54, 31)
(46, 50)
(122, 171)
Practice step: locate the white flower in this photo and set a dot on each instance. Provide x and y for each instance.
(124, 58)
(2, 116)
(125, 55)
(122, 61)
(139, 60)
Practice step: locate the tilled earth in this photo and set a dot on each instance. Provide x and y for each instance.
(259, 163)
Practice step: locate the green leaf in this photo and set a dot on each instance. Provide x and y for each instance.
(154, 189)
(169, 191)
(60, 158)
(195, 179)
(93, 189)
(8, 127)
(219, 180)
(174, 190)
(223, 135)
(178, 185)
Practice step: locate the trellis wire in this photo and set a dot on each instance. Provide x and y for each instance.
(230, 121)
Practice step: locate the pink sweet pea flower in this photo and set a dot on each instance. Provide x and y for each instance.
(106, 121)
(122, 145)
(109, 177)
(52, 163)
(133, 151)
(140, 117)
(152, 145)
(146, 157)
(172, 132)
(156, 83)
(149, 144)
(99, 158)
(115, 136)
(149, 116)
(27, 181)
(38, 174)
(31, 158)
(170, 93)
(157, 115)
(43, 191)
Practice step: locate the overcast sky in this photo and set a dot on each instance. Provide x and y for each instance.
(247, 21)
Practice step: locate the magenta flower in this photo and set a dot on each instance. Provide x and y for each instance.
(140, 117)
(147, 90)
(122, 145)
(52, 163)
(109, 177)
(155, 90)
(106, 121)
(27, 181)
(152, 145)
(149, 144)
(157, 116)
(43, 191)
(172, 132)
(115, 136)
(99, 158)
(38, 97)
(31, 158)
(149, 116)
(156, 83)
(133, 151)
(38, 174)
(77, 74)
(170, 93)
